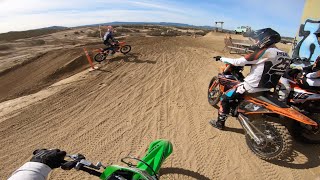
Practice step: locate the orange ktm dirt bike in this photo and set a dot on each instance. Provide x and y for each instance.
(305, 99)
(118, 47)
(266, 120)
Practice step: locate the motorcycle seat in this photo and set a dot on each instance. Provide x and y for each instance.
(269, 98)
(311, 89)
(305, 86)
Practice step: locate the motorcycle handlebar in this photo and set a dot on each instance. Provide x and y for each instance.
(217, 58)
(293, 60)
(90, 171)
(68, 165)
(79, 163)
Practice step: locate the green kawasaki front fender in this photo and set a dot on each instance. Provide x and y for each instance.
(137, 173)
(158, 151)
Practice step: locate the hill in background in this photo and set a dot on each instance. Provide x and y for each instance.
(14, 35)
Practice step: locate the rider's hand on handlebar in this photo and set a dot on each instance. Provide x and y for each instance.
(52, 157)
(217, 58)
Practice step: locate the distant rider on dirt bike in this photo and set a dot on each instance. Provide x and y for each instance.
(306, 77)
(109, 40)
(268, 65)
(40, 165)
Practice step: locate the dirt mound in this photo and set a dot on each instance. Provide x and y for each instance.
(72, 67)
(39, 72)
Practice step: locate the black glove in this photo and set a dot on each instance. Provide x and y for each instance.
(293, 73)
(253, 47)
(53, 157)
(300, 76)
(217, 58)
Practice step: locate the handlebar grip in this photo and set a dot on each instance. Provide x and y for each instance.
(91, 171)
(68, 165)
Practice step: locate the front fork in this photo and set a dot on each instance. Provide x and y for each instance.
(214, 84)
(248, 127)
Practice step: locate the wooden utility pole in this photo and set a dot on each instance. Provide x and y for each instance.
(221, 23)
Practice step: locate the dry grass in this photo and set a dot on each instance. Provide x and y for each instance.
(93, 33)
(123, 30)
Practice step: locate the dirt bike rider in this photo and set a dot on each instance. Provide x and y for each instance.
(40, 165)
(109, 40)
(267, 66)
(306, 77)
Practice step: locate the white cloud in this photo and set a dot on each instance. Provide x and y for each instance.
(157, 6)
(82, 18)
(30, 14)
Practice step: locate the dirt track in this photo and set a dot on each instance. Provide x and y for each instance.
(158, 91)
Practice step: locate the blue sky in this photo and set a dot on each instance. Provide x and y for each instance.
(282, 15)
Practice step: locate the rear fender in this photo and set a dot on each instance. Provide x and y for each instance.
(249, 107)
(288, 112)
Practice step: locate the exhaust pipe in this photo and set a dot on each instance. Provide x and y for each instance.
(246, 126)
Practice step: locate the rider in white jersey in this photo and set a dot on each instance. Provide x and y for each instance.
(40, 165)
(267, 63)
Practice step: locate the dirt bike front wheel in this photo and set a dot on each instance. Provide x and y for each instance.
(214, 91)
(125, 49)
(100, 57)
(277, 141)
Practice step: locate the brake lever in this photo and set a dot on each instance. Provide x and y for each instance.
(76, 157)
(87, 163)
(81, 161)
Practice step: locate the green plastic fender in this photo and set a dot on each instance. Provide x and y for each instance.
(157, 152)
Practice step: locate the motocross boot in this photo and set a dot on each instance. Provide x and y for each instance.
(220, 123)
